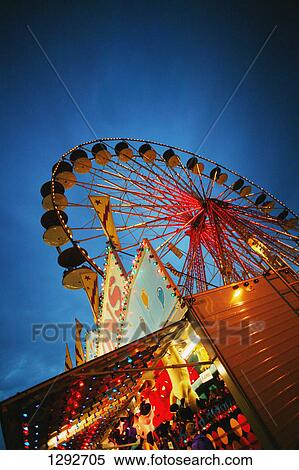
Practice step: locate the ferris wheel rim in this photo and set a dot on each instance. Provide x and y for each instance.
(90, 260)
(188, 152)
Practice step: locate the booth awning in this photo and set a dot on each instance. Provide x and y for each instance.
(76, 408)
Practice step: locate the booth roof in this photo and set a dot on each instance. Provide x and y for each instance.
(75, 409)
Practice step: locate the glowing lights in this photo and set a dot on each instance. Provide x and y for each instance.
(237, 293)
(258, 247)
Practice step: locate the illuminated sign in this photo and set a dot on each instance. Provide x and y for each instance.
(115, 278)
(151, 298)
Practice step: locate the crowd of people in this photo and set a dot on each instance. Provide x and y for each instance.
(187, 429)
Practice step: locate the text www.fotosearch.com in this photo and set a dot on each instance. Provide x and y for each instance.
(170, 460)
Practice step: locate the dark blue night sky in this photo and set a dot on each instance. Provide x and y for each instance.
(160, 70)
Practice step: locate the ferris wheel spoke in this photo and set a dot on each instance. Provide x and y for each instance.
(174, 210)
(191, 275)
(110, 184)
(165, 242)
(103, 192)
(199, 176)
(233, 226)
(188, 180)
(266, 218)
(177, 183)
(200, 269)
(244, 199)
(101, 255)
(247, 268)
(131, 205)
(276, 230)
(191, 269)
(163, 194)
(145, 215)
(120, 230)
(136, 194)
(178, 178)
(208, 271)
(129, 167)
(216, 273)
(142, 225)
(133, 237)
(133, 208)
(219, 237)
(128, 233)
(240, 267)
(180, 229)
(187, 175)
(94, 237)
(179, 218)
(184, 268)
(89, 221)
(146, 211)
(101, 189)
(141, 235)
(209, 242)
(176, 219)
(84, 228)
(279, 235)
(210, 247)
(129, 247)
(225, 193)
(210, 187)
(151, 240)
(279, 248)
(253, 267)
(82, 206)
(207, 263)
(154, 231)
(148, 187)
(166, 250)
(236, 256)
(252, 212)
(124, 227)
(277, 242)
(158, 208)
(274, 242)
(117, 187)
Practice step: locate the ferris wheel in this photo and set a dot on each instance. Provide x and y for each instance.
(208, 224)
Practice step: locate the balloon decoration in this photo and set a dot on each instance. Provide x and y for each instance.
(181, 384)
